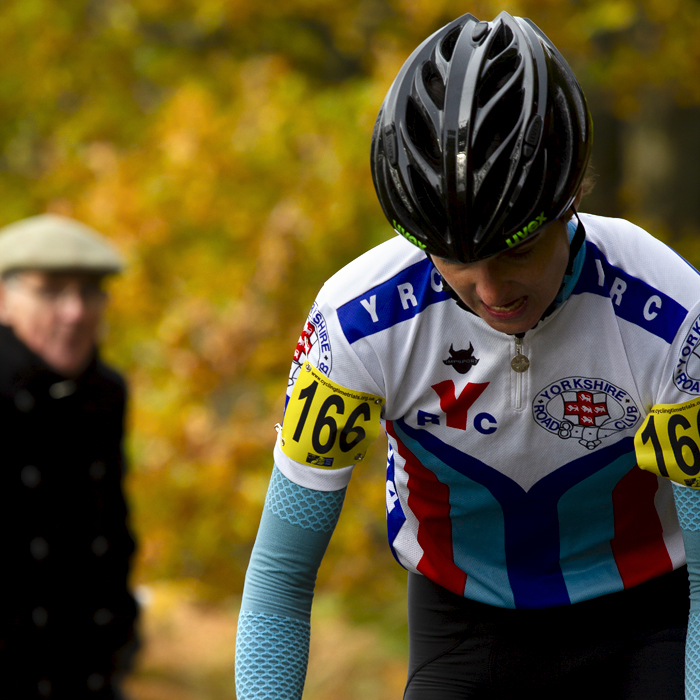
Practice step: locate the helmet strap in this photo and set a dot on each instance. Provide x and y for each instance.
(576, 243)
(574, 248)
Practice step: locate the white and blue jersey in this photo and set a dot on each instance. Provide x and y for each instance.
(515, 489)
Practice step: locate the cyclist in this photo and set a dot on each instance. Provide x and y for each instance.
(516, 354)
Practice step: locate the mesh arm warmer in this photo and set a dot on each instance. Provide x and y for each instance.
(688, 507)
(273, 627)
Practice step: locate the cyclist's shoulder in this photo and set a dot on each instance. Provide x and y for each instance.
(615, 231)
(376, 267)
(624, 245)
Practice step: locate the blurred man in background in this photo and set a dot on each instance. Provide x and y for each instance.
(67, 622)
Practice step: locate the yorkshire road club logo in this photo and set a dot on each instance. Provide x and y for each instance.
(461, 360)
(313, 345)
(686, 375)
(586, 409)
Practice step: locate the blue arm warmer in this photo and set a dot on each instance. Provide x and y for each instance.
(688, 508)
(273, 627)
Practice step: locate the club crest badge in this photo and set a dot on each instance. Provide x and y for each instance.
(313, 345)
(461, 360)
(686, 375)
(584, 408)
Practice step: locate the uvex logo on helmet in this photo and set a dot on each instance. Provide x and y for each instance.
(408, 236)
(527, 230)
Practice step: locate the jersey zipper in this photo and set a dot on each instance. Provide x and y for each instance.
(519, 364)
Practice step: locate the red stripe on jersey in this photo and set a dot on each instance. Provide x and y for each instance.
(429, 500)
(638, 546)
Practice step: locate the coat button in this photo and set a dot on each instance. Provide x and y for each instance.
(95, 682)
(31, 476)
(39, 548)
(98, 469)
(99, 546)
(102, 616)
(24, 401)
(40, 616)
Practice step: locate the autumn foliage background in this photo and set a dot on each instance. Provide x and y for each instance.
(223, 145)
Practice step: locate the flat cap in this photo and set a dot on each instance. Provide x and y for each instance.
(53, 242)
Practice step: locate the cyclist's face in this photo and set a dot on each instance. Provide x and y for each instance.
(510, 291)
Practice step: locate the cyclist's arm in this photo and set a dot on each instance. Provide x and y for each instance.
(273, 627)
(668, 427)
(688, 507)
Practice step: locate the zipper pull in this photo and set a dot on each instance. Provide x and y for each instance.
(520, 363)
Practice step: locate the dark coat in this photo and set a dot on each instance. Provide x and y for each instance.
(67, 623)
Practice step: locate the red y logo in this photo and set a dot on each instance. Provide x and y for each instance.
(456, 407)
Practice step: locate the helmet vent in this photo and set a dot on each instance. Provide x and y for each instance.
(501, 40)
(428, 201)
(527, 200)
(497, 128)
(497, 76)
(434, 85)
(487, 203)
(448, 44)
(422, 134)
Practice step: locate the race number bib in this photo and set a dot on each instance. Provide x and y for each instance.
(668, 443)
(327, 425)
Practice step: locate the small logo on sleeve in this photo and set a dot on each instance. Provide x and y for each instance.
(313, 345)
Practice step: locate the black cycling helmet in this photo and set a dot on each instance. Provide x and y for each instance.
(483, 138)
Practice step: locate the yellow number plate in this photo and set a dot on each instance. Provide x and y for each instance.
(668, 442)
(327, 425)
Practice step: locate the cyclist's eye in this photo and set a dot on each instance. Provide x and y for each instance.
(520, 253)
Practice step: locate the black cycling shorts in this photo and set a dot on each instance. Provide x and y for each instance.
(623, 646)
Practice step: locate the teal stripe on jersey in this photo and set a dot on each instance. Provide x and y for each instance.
(478, 539)
(589, 503)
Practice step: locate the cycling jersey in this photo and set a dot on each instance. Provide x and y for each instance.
(511, 476)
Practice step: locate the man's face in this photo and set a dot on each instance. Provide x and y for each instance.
(56, 315)
(511, 290)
